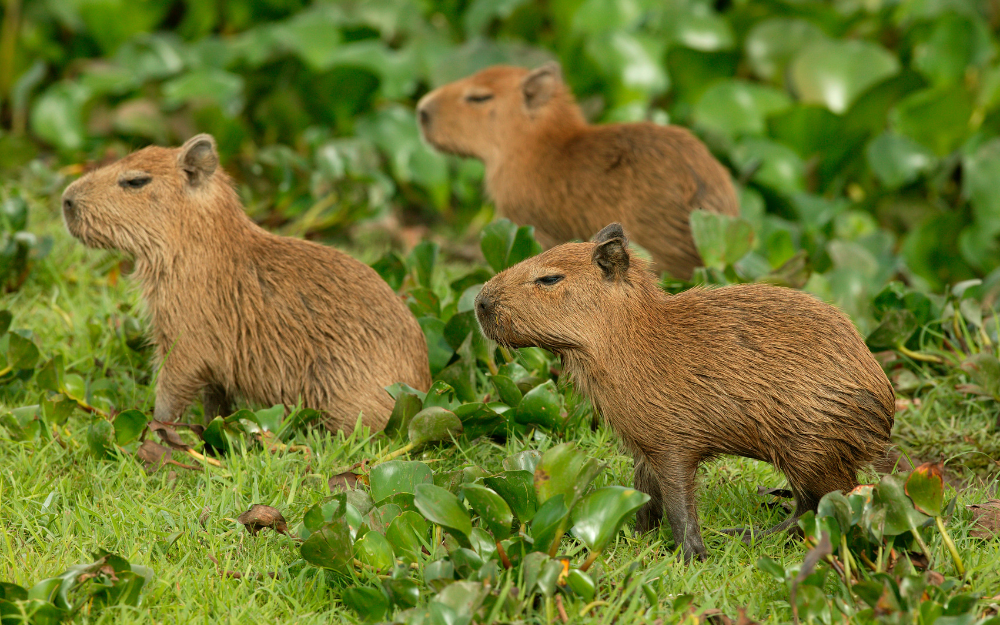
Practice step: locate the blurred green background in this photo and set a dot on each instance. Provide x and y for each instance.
(865, 133)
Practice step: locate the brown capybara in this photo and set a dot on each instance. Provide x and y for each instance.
(547, 167)
(238, 312)
(750, 370)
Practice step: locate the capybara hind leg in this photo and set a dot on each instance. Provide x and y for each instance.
(651, 514)
(216, 403)
(173, 395)
(677, 491)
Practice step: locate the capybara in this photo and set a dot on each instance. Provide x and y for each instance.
(238, 312)
(547, 167)
(750, 370)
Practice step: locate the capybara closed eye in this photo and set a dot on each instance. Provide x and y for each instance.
(238, 312)
(546, 167)
(749, 370)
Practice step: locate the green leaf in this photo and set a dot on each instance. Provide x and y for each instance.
(896, 328)
(396, 476)
(6, 317)
(772, 44)
(407, 533)
(443, 508)
(523, 247)
(212, 84)
(937, 118)
(57, 116)
(599, 515)
(13, 218)
(980, 171)
(956, 44)
(564, 470)
(442, 395)
(835, 72)
(925, 488)
(370, 603)
(374, 550)
(721, 239)
(432, 425)
(517, 488)
(836, 506)
(438, 350)
(776, 166)
(700, 28)
(900, 514)
(496, 241)
(463, 598)
(772, 568)
(582, 584)
(735, 107)
(75, 387)
(507, 390)
(51, 377)
(402, 592)
(330, 547)
(392, 269)
(101, 438)
(491, 508)
(549, 521)
(897, 160)
(407, 405)
(422, 261)
(22, 353)
(128, 425)
(541, 405)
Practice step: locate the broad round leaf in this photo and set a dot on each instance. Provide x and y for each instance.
(330, 546)
(432, 425)
(900, 514)
(599, 515)
(565, 470)
(493, 511)
(507, 390)
(772, 43)
(835, 72)
(495, 241)
(443, 508)
(897, 326)
(541, 405)
(128, 426)
(517, 489)
(370, 603)
(736, 107)
(22, 353)
(407, 405)
(937, 118)
(396, 476)
(438, 350)
(925, 488)
(406, 534)
(75, 387)
(101, 438)
(549, 520)
(374, 550)
(581, 583)
(402, 592)
(897, 160)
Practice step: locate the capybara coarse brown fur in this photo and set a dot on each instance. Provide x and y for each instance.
(238, 312)
(547, 167)
(750, 370)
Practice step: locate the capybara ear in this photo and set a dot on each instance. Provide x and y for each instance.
(611, 252)
(539, 85)
(198, 159)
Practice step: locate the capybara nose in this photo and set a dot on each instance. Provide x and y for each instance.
(68, 205)
(425, 109)
(425, 117)
(484, 305)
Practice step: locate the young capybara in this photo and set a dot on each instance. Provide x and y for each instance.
(750, 370)
(547, 167)
(236, 311)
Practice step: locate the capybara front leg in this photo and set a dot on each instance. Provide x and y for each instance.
(651, 514)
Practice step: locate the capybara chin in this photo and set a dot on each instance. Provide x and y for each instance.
(547, 167)
(750, 370)
(238, 312)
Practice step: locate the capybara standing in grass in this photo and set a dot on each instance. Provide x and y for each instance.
(750, 370)
(238, 312)
(547, 167)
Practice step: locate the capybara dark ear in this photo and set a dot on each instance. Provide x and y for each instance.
(610, 231)
(611, 252)
(198, 159)
(539, 85)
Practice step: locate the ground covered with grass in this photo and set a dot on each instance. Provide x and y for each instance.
(60, 502)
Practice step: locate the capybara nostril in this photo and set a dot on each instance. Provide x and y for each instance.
(425, 117)
(484, 305)
(68, 205)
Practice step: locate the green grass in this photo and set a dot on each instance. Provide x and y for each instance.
(58, 504)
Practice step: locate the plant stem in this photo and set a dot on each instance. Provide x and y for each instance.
(951, 547)
(590, 560)
(846, 555)
(503, 556)
(909, 353)
(920, 541)
(399, 452)
(202, 457)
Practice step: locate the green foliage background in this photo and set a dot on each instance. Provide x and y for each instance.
(865, 132)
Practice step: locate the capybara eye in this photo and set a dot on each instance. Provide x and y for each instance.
(549, 280)
(135, 183)
(478, 97)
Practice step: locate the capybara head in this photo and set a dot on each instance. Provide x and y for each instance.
(133, 204)
(553, 300)
(484, 114)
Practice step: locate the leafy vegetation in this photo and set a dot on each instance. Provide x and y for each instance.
(863, 137)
